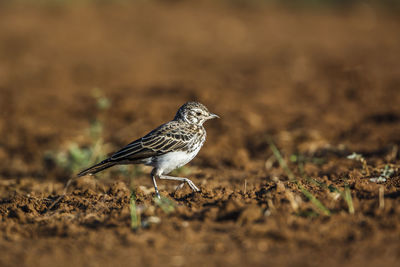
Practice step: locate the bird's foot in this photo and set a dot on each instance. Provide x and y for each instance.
(191, 185)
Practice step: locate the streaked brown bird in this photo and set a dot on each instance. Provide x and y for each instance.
(167, 147)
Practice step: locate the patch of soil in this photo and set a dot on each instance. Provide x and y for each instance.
(321, 85)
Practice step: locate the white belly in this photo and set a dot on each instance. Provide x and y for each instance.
(173, 160)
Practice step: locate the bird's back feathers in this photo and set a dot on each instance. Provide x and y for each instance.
(169, 137)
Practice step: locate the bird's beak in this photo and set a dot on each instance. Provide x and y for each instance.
(213, 116)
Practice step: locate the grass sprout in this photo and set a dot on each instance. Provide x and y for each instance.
(103, 103)
(331, 188)
(348, 198)
(135, 214)
(166, 204)
(292, 178)
(74, 157)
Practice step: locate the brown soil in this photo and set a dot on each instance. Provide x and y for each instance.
(322, 84)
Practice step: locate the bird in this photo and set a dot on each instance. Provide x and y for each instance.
(166, 148)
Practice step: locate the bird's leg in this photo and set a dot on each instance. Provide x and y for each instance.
(153, 176)
(183, 180)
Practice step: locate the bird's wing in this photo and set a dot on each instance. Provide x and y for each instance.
(171, 136)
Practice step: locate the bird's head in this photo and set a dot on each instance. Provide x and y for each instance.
(195, 113)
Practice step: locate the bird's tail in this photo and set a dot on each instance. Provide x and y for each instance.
(98, 167)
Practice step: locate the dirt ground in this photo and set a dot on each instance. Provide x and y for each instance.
(322, 84)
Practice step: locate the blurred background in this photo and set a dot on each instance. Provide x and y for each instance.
(265, 66)
(79, 79)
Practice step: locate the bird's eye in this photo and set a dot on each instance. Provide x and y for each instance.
(198, 113)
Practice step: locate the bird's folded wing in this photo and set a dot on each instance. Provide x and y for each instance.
(164, 139)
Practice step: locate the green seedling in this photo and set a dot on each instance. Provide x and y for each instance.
(348, 198)
(75, 158)
(293, 179)
(103, 103)
(135, 214)
(331, 188)
(165, 204)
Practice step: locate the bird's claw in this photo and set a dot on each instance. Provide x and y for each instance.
(190, 184)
